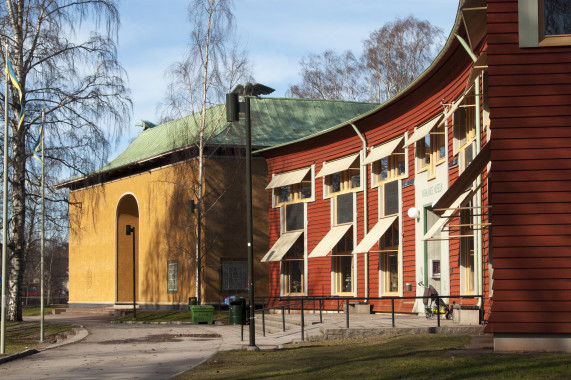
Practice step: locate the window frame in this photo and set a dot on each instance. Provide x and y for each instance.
(385, 253)
(345, 177)
(172, 276)
(392, 163)
(295, 191)
(467, 251)
(287, 262)
(223, 274)
(531, 21)
(437, 139)
(464, 122)
(337, 256)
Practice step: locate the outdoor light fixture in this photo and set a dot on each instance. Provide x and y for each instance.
(233, 109)
(414, 213)
(130, 230)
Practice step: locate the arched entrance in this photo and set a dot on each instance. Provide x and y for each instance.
(127, 214)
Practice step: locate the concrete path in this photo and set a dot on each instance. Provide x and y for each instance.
(105, 350)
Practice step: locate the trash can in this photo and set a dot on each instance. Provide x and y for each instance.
(192, 301)
(237, 311)
(201, 314)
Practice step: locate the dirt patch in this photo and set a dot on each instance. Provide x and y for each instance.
(162, 338)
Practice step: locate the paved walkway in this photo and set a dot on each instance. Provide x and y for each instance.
(104, 350)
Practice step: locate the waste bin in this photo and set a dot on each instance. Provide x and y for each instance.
(201, 314)
(237, 311)
(192, 301)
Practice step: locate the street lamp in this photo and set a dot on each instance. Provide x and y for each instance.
(130, 230)
(233, 109)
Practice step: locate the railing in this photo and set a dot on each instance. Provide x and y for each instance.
(301, 302)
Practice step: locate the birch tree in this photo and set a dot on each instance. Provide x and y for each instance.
(213, 65)
(76, 78)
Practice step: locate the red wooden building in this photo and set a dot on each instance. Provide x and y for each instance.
(339, 221)
(529, 54)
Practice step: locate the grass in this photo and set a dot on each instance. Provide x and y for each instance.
(398, 357)
(21, 336)
(34, 311)
(169, 316)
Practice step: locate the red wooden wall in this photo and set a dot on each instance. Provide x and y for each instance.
(530, 106)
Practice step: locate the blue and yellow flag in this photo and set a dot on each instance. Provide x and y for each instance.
(38, 144)
(12, 74)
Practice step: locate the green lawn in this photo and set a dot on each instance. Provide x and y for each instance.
(21, 336)
(400, 357)
(169, 316)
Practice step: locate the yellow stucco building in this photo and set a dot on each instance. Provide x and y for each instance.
(149, 186)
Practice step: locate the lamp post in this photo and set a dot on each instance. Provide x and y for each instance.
(130, 230)
(233, 109)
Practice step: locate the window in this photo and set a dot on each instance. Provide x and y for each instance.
(292, 269)
(343, 265)
(294, 217)
(465, 130)
(467, 263)
(344, 208)
(172, 276)
(435, 268)
(234, 275)
(391, 167)
(390, 261)
(431, 151)
(342, 181)
(390, 205)
(544, 23)
(296, 192)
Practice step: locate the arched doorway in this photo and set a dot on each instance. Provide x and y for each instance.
(127, 214)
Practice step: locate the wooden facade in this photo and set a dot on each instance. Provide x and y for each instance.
(390, 269)
(530, 102)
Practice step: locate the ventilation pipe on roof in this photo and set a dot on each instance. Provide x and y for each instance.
(365, 211)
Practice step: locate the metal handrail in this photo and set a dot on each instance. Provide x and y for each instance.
(300, 301)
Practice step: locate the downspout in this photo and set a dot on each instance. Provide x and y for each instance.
(365, 209)
(479, 196)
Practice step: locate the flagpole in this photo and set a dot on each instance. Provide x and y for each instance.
(43, 235)
(4, 213)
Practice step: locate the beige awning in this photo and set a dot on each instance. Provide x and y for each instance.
(375, 234)
(445, 217)
(480, 65)
(330, 240)
(382, 151)
(289, 178)
(337, 165)
(281, 246)
(423, 131)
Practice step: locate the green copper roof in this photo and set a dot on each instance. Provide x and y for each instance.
(275, 121)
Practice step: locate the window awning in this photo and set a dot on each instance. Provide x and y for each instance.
(445, 217)
(423, 131)
(289, 178)
(452, 109)
(337, 165)
(480, 65)
(382, 151)
(281, 246)
(330, 240)
(375, 234)
(464, 181)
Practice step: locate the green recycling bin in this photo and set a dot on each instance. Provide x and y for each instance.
(201, 314)
(237, 311)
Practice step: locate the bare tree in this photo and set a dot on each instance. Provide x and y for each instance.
(397, 53)
(214, 64)
(392, 57)
(330, 76)
(77, 80)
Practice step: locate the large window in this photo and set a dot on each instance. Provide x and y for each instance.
(467, 260)
(431, 151)
(294, 217)
(343, 208)
(234, 275)
(342, 182)
(390, 261)
(293, 193)
(292, 269)
(343, 265)
(390, 198)
(465, 130)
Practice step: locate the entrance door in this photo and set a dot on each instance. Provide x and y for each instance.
(432, 254)
(127, 214)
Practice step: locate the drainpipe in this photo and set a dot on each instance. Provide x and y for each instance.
(479, 196)
(365, 208)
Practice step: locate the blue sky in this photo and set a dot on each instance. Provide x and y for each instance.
(276, 34)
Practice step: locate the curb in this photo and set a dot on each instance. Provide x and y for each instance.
(342, 333)
(74, 335)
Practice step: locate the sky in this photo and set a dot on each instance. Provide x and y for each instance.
(276, 34)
